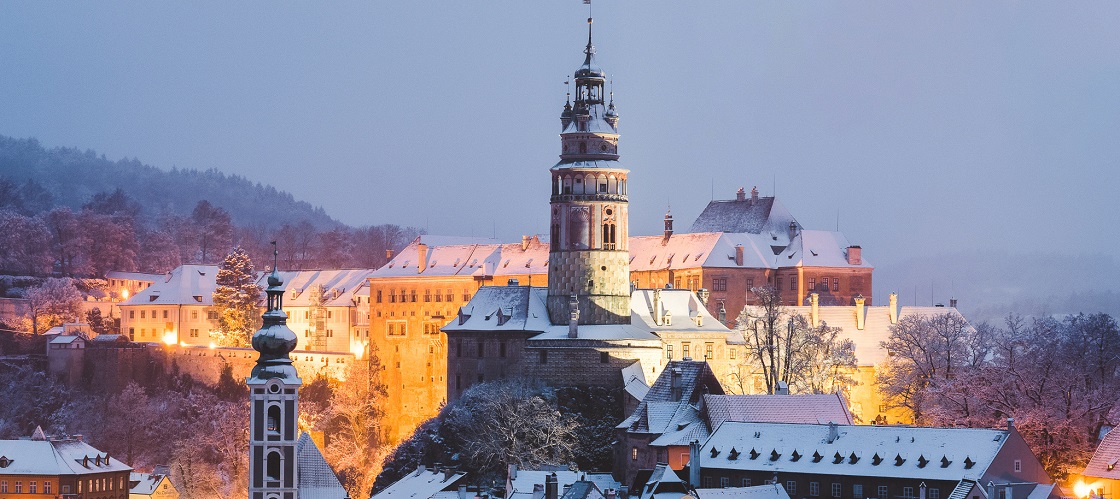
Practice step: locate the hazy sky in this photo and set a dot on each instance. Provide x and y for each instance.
(926, 127)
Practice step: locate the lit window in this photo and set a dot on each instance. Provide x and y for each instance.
(633, 457)
(684, 350)
(836, 284)
(669, 352)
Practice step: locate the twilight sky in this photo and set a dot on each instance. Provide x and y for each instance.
(925, 127)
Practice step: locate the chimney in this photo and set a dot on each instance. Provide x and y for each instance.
(740, 195)
(421, 469)
(722, 314)
(782, 389)
(422, 257)
(538, 491)
(1010, 424)
(657, 306)
(462, 491)
(833, 432)
(610, 494)
(573, 317)
(952, 303)
(694, 463)
(922, 490)
(78, 437)
(703, 294)
(512, 470)
(739, 255)
(855, 255)
(859, 312)
(676, 384)
(814, 309)
(448, 473)
(754, 195)
(892, 309)
(525, 242)
(512, 282)
(1009, 491)
(792, 230)
(567, 487)
(388, 254)
(551, 488)
(668, 228)
(991, 489)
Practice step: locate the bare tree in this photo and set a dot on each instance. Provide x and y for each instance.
(53, 303)
(926, 353)
(354, 421)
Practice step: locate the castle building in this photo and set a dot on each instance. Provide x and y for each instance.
(43, 466)
(417, 293)
(589, 324)
(282, 463)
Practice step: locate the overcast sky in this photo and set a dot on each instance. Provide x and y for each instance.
(922, 127)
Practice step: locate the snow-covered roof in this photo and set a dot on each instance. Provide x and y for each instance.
(634, 381)
(818, 248)
(339, 286)
(663, 483)
(583, 490)
(503, 308)
(829, 408)
(315, 477)
(63, 339)
(420, 484)
(1104, 462)
(520, 484)
(55, 457)
(761, 216)
(769, 491)
(876, 329)
(856, 450)
(486, 257)
(668, 410)
(809, 248)
(186, 285)
(145, 484)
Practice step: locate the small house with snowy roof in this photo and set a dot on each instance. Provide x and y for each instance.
(1101, 475)
(60, 466)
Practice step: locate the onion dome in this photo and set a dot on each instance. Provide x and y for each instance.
(275, 340)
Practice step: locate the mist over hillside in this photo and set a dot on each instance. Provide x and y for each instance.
(71, 177)
(988, 285)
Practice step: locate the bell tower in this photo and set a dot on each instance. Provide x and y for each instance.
(589, 259)
(273, 402)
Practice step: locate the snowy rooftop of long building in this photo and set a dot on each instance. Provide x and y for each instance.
(827, 408)
(186, 285)
(856, 450)
(764, 215)
(420, 484)
(339, 286)
(42, 456)
(425, 258)
(134, 276)
(522, 308)
(520, 484)
(808, 248)
(769, 491)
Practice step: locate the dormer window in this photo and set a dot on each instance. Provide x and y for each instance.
(5, 462)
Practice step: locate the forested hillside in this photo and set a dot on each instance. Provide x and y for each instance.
(72, 213)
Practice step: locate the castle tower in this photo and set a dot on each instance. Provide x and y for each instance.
(273, 403)
(589, 257)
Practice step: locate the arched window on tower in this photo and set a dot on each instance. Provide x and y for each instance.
(273, 468)
(554, 241)
(273, 419)
(608, 236)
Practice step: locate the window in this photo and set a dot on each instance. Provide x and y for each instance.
(731, 353)
(46, 487)
(427, 295)
(143, 332)
(132, 333)
(684, 350)
(413, 296)
(778, 283)
(194, 315)
(392, 329)
(273, 468)
(1018, 465)
(392, 296)
(544, 356)
(633, 457)
(669, 352)
(835, 489)
(608, 236)
(330, 333)
(466, 296)
(4, 483)
(164, 314)
(677, 283)
(131, 314)
(212, 315)
(707, 482)
(908, 492)
(750, 284)
(814, 489)
(724, 482)
(746, 482)
(812, 283)
(793, 283)
(882, 492)
(273, 419)
(19, 487)
(379, 296)
(194, 333)
(449, 294)
(143, 314)
(604, 358)
(708, 351)
(933, 493)
(791, 487)
(719, 284)
(836, 284)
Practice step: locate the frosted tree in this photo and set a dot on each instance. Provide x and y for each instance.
(236, 300)
(51, 304)
(214, 229)
(354, 421)
(784, 347)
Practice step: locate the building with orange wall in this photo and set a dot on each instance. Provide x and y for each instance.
(46, 467)
(416, 294)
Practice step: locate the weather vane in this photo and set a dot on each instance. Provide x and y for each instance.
(275, 255)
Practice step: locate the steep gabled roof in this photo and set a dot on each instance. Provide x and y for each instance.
(667, 410)
(764, 215)
(316, 478)
(663, 483)
(503, 308)
(339, 286)
(186, 285)
(41, 456)
(447, 256)
(420, 484)
(1106, 458)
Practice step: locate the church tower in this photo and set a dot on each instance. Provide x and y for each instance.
(589, 260)
(273, 403)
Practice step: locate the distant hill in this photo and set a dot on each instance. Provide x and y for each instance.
(71, 177)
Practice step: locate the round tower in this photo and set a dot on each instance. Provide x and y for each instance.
(589, 257)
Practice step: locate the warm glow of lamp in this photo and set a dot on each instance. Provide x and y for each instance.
(359, 350)
(1081, 489)
(169, 337)
(124, 294)
(213, 345)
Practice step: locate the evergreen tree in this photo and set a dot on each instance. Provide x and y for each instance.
(236, 299)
